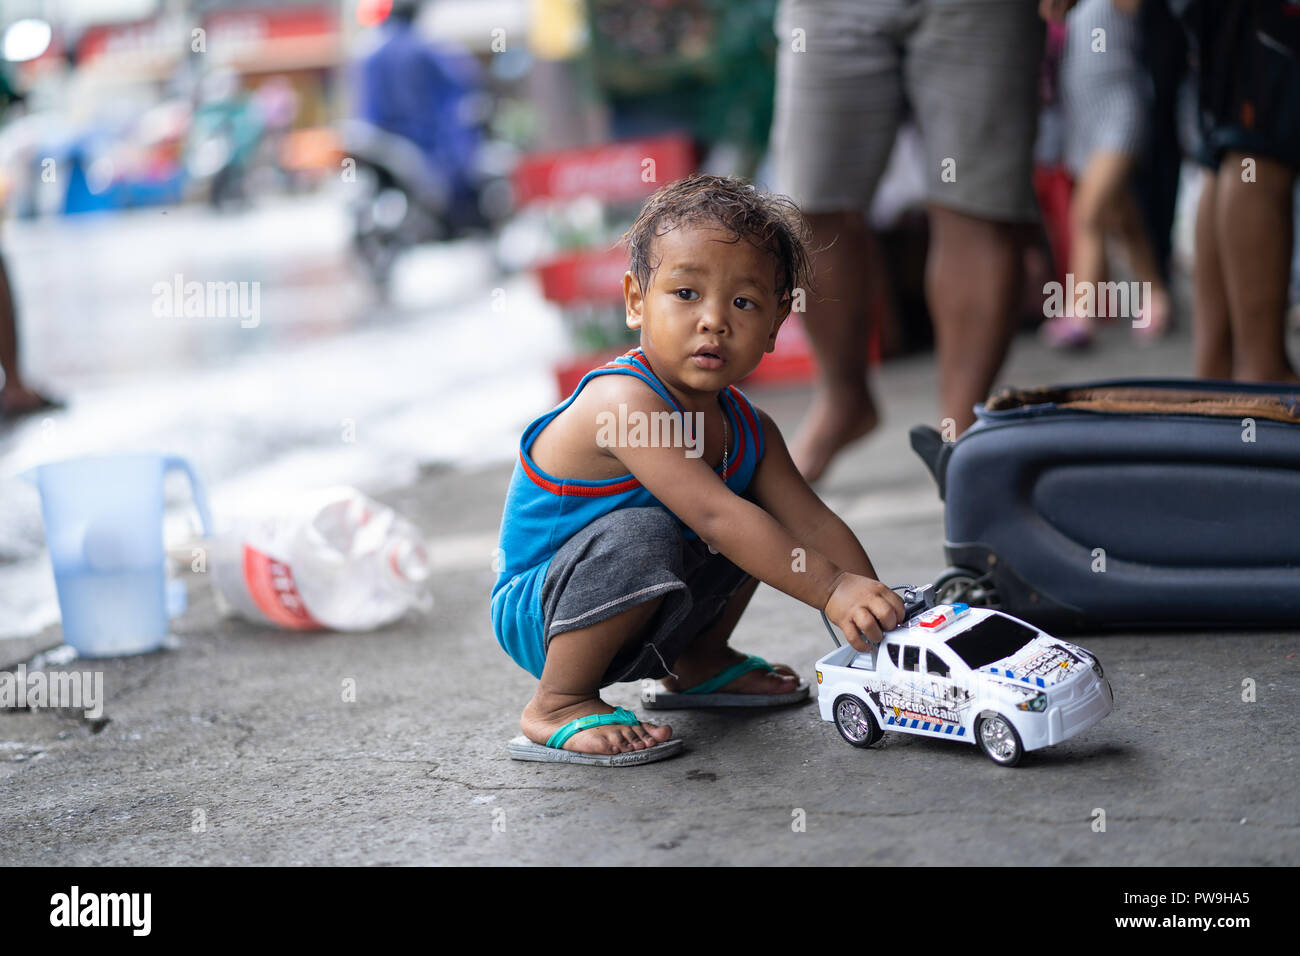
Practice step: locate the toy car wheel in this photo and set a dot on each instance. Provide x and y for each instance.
(965, 586)
(999, 740)
(855, 722)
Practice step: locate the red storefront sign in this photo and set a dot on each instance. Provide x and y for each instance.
(614, 172)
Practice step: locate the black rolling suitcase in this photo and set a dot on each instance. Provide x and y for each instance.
(1130, 503)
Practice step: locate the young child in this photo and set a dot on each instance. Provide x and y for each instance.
(628, 556)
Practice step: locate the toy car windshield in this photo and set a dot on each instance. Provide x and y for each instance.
(990, 640)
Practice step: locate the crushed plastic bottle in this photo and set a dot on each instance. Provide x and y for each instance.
(340, 561)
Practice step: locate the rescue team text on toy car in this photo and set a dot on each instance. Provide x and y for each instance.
(963, 673)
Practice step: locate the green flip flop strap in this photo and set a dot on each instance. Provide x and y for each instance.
(752, 662)
(620, 716)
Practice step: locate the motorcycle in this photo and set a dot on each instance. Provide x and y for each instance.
(398, 199)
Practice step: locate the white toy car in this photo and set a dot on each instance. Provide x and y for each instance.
(963, 673)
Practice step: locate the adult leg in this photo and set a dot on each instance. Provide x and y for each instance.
(569, 687)
(1123, 219)
(972, 280)
(1212, 331)
(1131, 229)
(972, 72)
(1095, 195)
(1253, 220)
(1103, 204)
(837, 325)
(8, 332)
(1163, 58)
(838, 105)
(15, 397)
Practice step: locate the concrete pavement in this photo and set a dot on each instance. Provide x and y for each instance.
(238, 746)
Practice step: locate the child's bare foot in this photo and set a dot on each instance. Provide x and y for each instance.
(694, 669)
(834, 421)
(546, 713)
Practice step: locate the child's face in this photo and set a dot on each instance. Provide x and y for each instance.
(711, 309)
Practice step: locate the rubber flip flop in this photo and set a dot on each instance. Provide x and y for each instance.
(706, 694)
(521, 748)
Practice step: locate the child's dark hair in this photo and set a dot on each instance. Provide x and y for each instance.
(772, 223)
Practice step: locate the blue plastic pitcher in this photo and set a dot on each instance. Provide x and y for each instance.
(104, 528)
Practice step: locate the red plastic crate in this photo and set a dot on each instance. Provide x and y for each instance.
(591, 276)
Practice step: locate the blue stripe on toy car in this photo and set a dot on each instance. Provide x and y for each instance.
(936, 726)
(1028, 680)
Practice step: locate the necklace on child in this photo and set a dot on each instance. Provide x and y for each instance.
(725, 442)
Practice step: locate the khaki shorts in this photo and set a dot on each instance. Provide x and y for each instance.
(967, 70)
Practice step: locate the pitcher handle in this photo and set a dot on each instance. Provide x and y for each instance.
(196, 489)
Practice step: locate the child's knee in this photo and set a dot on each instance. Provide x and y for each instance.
(650, 523)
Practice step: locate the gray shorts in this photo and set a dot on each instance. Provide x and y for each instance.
(626, 558)
(968, 70)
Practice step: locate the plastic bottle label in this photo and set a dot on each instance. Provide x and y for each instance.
(271, 585)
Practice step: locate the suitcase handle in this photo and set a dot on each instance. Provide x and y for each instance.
(934, 451)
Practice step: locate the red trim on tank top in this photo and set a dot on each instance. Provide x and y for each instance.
(629, 484)
(581, 491)
(749, 415)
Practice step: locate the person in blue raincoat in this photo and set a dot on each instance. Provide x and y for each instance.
(422, 92)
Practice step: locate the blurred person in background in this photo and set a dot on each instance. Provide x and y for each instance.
(1158, 176)
(1104, 97)
(16, 398)
(847, 73)
(423, 93)
(224, 135)
(1248, 56)
(277, 103)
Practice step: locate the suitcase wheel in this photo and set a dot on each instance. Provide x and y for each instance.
(966, 586)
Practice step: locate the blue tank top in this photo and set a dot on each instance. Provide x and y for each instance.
(543, 511)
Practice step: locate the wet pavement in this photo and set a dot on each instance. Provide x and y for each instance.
(327, 381)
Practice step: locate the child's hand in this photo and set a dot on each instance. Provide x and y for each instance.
(864, 609)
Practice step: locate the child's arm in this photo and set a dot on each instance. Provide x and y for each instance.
(780, 489)
(751, 537)
(782, 492)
